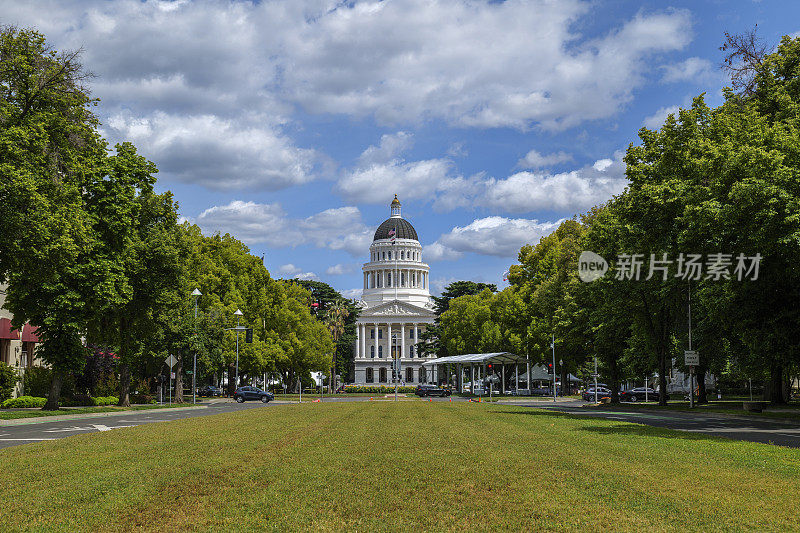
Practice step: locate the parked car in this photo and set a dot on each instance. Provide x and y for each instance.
(209, 390)
(431, 390)
(602, 392)
(638, 394)
(243, 394)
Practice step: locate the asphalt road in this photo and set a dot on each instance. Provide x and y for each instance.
(39, 429)
(747, 428)
(778, 432)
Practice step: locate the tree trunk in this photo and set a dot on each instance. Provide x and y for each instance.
(702, 393)
(613, 370)
(774, 387)
(124, 386)
(55, 393)
(564, 381)
(179, 379)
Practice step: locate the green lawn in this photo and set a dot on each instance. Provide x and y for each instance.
(731, 407)
(385, 466)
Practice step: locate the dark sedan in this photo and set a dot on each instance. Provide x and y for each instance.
(639, 394)
(209, 390)
(602, 392)
(431, 390)
(243, 394)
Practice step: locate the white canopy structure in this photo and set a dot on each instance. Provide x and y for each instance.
(478, 365)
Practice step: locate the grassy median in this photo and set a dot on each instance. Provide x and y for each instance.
(384, 466)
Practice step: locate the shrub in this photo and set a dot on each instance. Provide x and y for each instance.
(8, 380)
(24, 401)
(37, 381)
(82, 400)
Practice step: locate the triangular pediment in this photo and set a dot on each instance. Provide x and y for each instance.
(397, 308)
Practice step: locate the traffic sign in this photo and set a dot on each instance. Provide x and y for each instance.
(171, 361)
(172, 375)
(691, 358)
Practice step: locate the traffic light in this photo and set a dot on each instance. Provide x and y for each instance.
(248, 335)
(490, 368)
(549, 367)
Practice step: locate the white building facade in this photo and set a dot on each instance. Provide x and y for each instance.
(396, 307)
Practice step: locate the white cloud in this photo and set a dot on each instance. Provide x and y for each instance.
(466, 63)
(694, 69)
(382, 172)
(473, 64)
(336, 229)
(292, 271)
(339, 269)
(657, 119)
(497, 236)
(215, 152)
(438, 252)
(573, 191)
(534, 159)
(351, 294)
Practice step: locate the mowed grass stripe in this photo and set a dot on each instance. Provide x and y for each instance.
(381, 466)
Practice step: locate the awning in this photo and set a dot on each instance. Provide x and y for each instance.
(29, 333)
(6, 332)
(499, 358)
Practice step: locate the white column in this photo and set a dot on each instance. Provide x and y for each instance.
(358, 341)
(389, 340)
(403, 341)
(416, 339)
(376, 339)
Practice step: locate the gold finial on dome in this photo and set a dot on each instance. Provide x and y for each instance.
(395, 207)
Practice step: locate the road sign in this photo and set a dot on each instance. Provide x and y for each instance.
(171, 361)
(189, 372)
(691, 358)
(172, 375)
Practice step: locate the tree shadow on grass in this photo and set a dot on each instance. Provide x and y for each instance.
(619, 428)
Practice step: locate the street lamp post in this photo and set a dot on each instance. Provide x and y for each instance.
(196, 293)
(238, 314)
(553, 346)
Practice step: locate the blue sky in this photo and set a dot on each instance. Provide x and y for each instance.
(292, 124)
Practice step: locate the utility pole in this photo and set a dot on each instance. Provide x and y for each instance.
(595, 378)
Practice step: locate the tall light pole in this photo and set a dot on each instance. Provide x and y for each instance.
(553, 346)
(238, 314)
(196, 293)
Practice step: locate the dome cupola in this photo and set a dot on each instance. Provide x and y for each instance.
(402, 228)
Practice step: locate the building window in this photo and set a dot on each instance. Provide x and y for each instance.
(390, 255)
(370, 375)
(371, 333)
(423, 378)
(411, 351)
(402, 254)
(402, 279)
(388, 279)
(411, 333)
(372, 351)
(380, 333)
(383, 254)
(382, 375)
(380, 351)
(410, 375)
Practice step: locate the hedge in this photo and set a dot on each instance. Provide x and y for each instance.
(377, 389)
(36, 401)
(24, 401)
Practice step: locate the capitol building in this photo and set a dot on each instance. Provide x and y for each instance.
(396, 306)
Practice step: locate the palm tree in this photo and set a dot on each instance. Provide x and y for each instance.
(335, 320)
